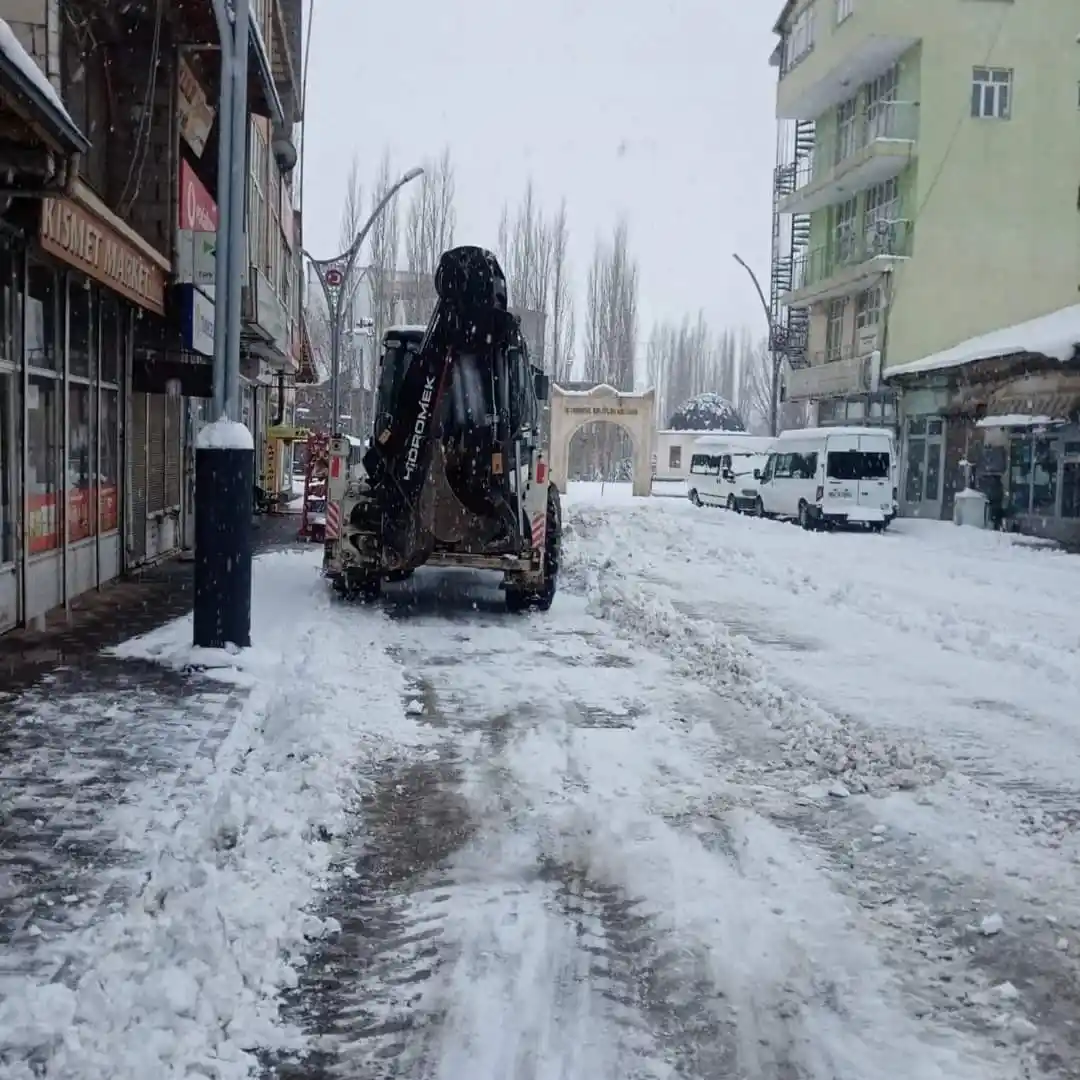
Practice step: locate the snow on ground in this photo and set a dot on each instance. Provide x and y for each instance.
(935, 668)
(747, 801)
(179, 975)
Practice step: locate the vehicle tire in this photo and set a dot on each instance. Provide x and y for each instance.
(695, 498)
(759, 507)
(519, 600)
(732, 505)
(400, 575)
(806, 520)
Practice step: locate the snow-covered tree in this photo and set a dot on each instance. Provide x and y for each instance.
(706, 412)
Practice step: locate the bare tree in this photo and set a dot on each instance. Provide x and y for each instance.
(381, 281)
(611, 316)
(611, 312)
(352, 214)
(755, 384)
(429, 231)
(562, 299)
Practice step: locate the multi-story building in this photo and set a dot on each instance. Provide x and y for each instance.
(925, 189)
(109, 146)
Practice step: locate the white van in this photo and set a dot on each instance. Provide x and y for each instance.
(722, 469)
(831, 476)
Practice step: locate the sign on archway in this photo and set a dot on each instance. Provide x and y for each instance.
(634, 412)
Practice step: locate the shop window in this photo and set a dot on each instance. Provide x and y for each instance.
(674, 457)
(43, 414)
(82, 474)
(42, 323)
(80, 328)
(8, 447)
(108, 495)
(111, 339)
(1044, 478)
(1070, 489)
(916, 462)
(1020, 475)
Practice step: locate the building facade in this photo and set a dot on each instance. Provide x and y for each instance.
(912, 209)
(107, 321)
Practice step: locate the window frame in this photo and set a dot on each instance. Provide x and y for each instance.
(992, 93)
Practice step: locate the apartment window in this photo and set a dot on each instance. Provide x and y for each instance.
(844, 10)
(846, 132)
(844, 217)
(257, 211)
(868, 308)
(882, 211)
(881, 96)
(991, 93)
(834, 329)
(800, 38)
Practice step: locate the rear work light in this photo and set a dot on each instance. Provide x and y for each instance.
(894, 490)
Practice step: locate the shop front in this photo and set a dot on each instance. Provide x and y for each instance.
(42, 145)
(89, 284)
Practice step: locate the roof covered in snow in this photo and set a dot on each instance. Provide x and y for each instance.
(405, 329)
(1056, 336)
(19, 72)
(706, 412)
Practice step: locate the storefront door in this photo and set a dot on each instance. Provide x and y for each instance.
(10, 578)
(924, 458)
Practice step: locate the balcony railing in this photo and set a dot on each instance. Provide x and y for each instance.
(881, 238)
(883, 120)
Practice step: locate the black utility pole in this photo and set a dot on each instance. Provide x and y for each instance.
(225, 451)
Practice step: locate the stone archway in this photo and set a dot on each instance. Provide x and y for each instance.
(635, 412)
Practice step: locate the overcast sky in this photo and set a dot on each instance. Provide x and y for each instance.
(660, 109)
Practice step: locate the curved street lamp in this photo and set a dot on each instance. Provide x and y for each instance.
(334, 277)
(775, 357)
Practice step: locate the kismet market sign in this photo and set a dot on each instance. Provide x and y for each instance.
(86, 241)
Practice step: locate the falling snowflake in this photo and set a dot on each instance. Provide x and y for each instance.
(706, 412)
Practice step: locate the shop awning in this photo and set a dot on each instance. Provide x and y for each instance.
(24, 86)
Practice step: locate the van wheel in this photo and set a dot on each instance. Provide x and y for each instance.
(732, 505)
(695, 498)
(805, 518)
(759, 507)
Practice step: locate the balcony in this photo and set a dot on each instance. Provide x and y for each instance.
(846, 45)
(876, 148)
(848, 371)
(851, 263)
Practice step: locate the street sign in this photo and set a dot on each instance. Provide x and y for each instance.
(196, 252)
(334, 277)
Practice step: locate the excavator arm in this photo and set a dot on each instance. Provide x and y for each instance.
(456, 388)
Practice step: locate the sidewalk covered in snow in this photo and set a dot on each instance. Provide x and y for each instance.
(999, 410)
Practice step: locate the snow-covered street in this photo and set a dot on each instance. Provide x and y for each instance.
(748, 802)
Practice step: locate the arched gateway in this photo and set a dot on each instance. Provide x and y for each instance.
(572, 408)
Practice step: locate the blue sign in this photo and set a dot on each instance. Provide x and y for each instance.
(197, 320)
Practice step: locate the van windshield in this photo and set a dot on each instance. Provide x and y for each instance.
(857, 465)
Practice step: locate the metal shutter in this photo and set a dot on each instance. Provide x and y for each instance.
(155, 441)
(174, 442)
(136, 448)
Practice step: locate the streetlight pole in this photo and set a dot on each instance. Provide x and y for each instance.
(225, 452)
(333, 275)
(775, 357)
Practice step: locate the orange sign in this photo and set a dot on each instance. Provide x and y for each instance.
(86, 241)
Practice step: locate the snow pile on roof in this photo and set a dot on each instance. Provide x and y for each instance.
(1017, 420)
(11, 47)
(707, 412)
(225, 434)
(1056, 335)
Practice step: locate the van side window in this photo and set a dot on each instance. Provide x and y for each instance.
(810, 466)
(782, 466)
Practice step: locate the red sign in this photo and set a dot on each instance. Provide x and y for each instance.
(198, 211)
